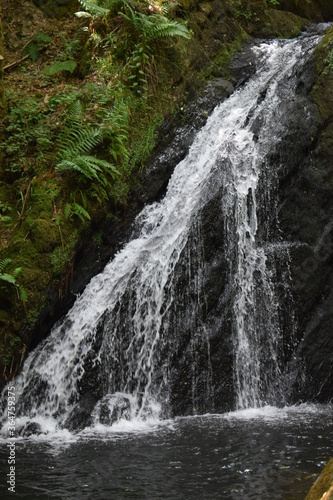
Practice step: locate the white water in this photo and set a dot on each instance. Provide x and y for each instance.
(139, 278)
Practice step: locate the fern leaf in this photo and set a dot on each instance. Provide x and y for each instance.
(42, 39)
(4, 263)
(94, 9)
(32, 51)
(22, 293)
(8, 278)
(80, 211)
(17, 271)
(59, 66)
(68, 210)
(167, 28)
(81, 166)
(101, 164)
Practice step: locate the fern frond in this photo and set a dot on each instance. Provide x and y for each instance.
(76, 140)
(79, 165)
(99, 164)
(68, 210)
(99, 192)
(168, 8)
(59, 66)
(94, 9)
(76, 209)
(4, 263)
(17, 271)
(75, 111)
(154, 26)
(22, 293)
(8, 278)
(164, 27)
(80, 211)
(32, 51)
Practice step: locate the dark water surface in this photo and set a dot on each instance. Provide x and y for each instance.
(251, 454)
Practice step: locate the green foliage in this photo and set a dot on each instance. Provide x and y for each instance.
(25, 130)
(328, 61)
(59, 66)
(63, 254)
(36, 44)
(116, 130)
(77, 209)
(144, 145)
(75, 142)
(4, 217)
(274, 3)
(154, 26)
(11, 279)
(92, 7)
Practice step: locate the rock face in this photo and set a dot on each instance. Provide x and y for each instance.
(306, 220)
(302, 219)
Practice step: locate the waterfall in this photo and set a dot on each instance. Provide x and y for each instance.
(124, 327)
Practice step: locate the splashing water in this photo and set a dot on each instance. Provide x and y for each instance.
(119, 324)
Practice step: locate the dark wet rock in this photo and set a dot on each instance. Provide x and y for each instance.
(30, 429)
(81, 415)
(113, 408)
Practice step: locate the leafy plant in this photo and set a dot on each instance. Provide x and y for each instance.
(59, 66)
(77, 209)
(25, 128)
(154, 26)
(91, 9)
(11, 279)
(75, 143)
(33, 48)
(66, 58)
(4, 217)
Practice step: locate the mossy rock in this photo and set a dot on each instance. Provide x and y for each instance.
(316, 10)
(188, 5)
(44, 235)
(323, 487)
(323, 89)
(57, 8)
(207, 8)
(286, 24)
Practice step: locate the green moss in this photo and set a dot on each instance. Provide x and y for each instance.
(44, 234)
(283, 24)
(323, 89)
(223, 57)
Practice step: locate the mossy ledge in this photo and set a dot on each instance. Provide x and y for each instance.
(56, 239)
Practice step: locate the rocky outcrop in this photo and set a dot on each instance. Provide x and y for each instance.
(306, 216)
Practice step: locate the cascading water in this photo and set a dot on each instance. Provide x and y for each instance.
(119, 327)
